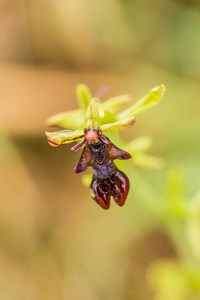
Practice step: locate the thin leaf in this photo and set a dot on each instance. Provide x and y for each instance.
(148, 101)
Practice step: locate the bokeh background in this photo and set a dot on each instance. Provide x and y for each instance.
(55, 242)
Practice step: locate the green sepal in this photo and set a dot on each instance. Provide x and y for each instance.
(148, 101)
(72, 119)
(83, 95)
(120, 125)
(57, 138)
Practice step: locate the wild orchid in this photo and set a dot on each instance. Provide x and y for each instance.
(98, 151)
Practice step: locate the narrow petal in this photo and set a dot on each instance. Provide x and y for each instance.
(78, 146)
(85, 160)
(101, 92)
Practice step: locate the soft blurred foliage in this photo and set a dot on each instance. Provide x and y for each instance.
(55, 242)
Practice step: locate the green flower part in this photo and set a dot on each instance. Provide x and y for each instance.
(93, 113)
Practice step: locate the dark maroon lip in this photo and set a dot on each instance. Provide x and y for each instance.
(108, 181)
(115, 186)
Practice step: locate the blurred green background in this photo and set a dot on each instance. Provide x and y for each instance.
(55, 242)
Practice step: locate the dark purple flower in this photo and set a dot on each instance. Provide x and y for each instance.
(108, 181)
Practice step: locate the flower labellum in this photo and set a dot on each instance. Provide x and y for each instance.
(108, 181)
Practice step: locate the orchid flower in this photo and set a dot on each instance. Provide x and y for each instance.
(98, 151)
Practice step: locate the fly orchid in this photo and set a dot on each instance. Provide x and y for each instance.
(98, 151)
